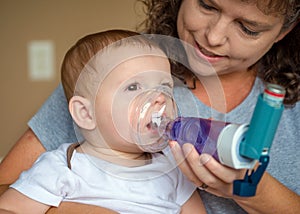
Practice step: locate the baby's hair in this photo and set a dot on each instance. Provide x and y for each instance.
(87, 47)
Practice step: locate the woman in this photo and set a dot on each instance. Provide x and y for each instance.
(243, 40)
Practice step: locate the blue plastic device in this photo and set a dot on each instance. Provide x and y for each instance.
(258, 141)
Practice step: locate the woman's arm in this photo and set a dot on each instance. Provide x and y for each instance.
(76, 208)
(21, 157)
(193, 205)
(271, 196)
(3, 188)
(15, 202)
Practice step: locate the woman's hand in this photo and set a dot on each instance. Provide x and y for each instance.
(271, 196)
(204, 170)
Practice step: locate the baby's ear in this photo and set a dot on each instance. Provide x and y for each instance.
(82, 113)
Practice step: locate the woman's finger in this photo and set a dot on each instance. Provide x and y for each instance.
(226, 174)
(205, 167)
(196, 162)
(199, 168)
(183, 164)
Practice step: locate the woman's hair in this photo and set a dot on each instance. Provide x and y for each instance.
(279, 65)
(87, 47)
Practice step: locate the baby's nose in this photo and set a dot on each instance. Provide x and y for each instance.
(160, 99)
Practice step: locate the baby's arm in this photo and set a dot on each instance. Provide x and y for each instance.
(193, 205)
(13, 201)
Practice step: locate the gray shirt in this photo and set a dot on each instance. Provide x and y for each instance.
(53, 126)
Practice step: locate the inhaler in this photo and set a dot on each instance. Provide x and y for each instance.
(234, 145)
(156, 124)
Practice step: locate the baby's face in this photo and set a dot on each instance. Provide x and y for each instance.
(115, 110)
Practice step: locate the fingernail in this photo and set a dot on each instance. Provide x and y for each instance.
(204, 158)
(174, 147)
(187, 148)
(172, 144)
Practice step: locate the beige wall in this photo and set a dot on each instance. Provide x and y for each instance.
(63, 22)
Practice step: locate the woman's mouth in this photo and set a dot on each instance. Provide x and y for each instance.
(208, 55)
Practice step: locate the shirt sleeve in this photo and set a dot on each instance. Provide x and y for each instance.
(49, 181)
(53, 124)
(185, 188)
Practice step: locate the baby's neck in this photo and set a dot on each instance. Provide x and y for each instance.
(116, 157)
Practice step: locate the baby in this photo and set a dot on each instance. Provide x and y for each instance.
(106, 77)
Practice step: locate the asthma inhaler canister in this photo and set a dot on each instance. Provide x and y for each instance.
(264, 123)
(259, 138)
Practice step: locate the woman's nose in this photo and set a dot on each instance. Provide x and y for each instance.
(216, 33)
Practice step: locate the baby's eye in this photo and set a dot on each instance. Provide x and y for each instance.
(133, 87)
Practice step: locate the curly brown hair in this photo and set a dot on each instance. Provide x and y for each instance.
(279, 65)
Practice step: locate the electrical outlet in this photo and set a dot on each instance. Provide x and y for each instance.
(41, 60)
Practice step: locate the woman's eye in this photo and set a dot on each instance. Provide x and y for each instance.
(133, 87)
(248, 32)
(205, 5)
